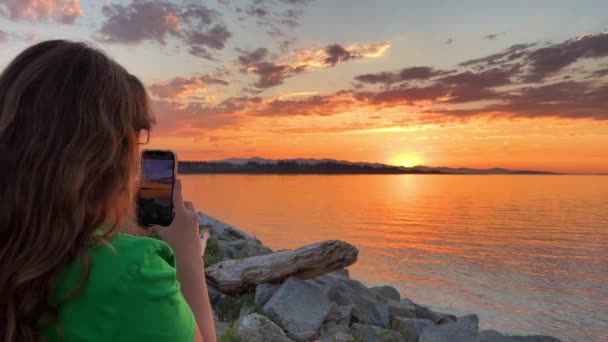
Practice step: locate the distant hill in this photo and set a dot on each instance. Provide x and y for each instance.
(258, 165)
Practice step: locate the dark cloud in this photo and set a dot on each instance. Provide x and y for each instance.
(252, 57)
(600, 73)
(513, 53)
(500, 84)
(407, 74)
(548, 60)
(272, 74)
(336, 54)
(493, 36)
(194, 25)
(449, 41)
(61, 11)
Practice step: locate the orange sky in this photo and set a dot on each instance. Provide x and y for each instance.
(519, 86)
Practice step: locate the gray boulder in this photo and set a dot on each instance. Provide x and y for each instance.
(471, 320)
(221, 230)
(435, 317)
(450, 332)
(242, 249)
(369, 307)
(387, 291)
(398, 309)
(410, 328)
(331, 328)
(257, 328)
(369, 311)
(495, 336)
(370, 333)
(341, 314)
(298, 307)
(263, 292)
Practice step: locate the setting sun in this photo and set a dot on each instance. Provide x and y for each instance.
(406, 160)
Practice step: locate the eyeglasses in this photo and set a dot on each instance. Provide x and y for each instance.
(143, 137)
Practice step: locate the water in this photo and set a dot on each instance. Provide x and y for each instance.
(528, 254)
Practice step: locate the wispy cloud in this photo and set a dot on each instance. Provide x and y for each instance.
(181, 87)
(61, 11)
(273, 73)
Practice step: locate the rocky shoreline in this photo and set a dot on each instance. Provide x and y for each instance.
(322, 304)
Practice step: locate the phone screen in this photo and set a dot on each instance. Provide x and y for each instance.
(155, 202)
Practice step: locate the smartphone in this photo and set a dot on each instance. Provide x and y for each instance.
(155, 199)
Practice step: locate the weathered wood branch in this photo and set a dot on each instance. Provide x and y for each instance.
(238, 276)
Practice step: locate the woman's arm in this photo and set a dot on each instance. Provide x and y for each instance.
(191, 276)
(183, 237)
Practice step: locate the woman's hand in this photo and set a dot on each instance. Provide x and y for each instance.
(183, 233)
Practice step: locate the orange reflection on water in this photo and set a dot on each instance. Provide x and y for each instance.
(511, 248)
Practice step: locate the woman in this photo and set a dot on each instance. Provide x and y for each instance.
(70, 126)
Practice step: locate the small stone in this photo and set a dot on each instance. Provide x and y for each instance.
(387, 291)
(257, 328)
(305, 336)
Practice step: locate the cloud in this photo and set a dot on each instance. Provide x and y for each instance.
(513, 83)
(548, 60)
(388, 78)
(194, 25)
(61, 11)
(181, 87)
(273, 73)
(449, 41)
(493, 36)
(252, 57)
(491, 87)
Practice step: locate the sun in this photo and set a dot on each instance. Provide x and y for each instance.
(406, 160)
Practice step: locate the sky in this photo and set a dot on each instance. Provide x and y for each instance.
(514, 84)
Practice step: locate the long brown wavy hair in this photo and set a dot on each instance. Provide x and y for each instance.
(69, 123)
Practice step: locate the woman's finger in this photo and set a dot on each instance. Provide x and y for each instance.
(178, 201)
(189, 205)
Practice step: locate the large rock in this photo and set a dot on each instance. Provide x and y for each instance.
(410, 328)
(387, 291)
(435, 317)
(369, 311)
(399, 309)
(495, 336)
(221, 230)
(298, 307)
(450, 332)
(341, 315)
(263, 292)
(370, 333)
(369, 307)
(257, 328)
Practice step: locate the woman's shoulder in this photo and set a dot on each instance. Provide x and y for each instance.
(113, 264)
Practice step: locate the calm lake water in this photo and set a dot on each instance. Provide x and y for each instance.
(528, 254)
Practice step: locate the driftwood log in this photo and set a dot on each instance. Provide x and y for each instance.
(238, 276)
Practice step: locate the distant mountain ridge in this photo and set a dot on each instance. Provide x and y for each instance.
(257, 165)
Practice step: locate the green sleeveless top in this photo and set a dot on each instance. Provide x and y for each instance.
(132, 294)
